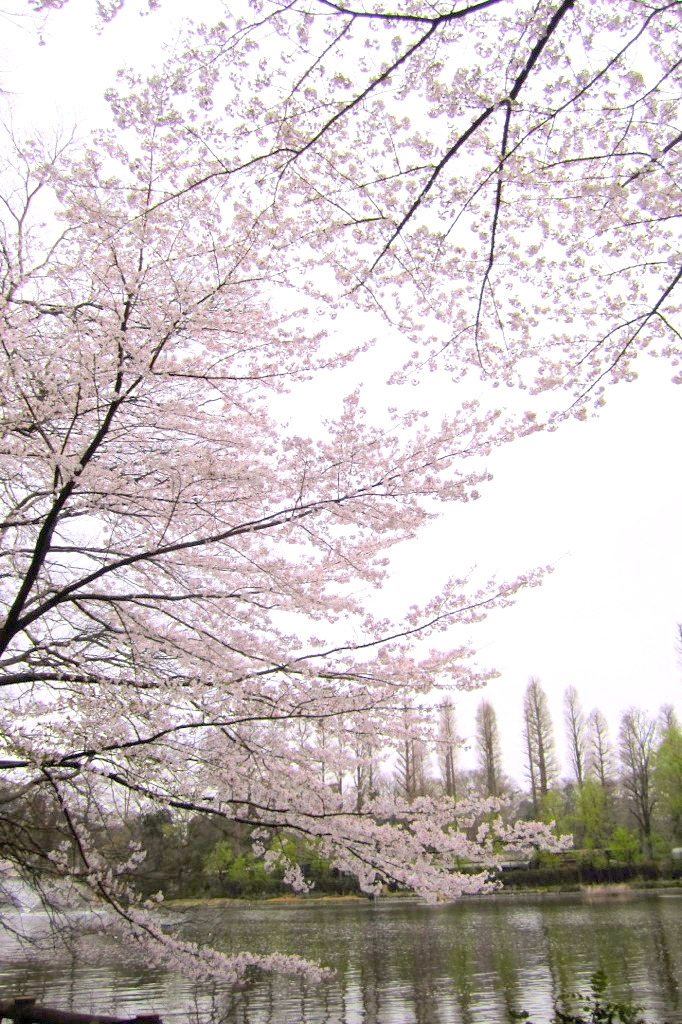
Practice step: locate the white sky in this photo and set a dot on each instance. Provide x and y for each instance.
(600, 500)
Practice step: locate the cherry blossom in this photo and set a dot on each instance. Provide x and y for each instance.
(189, 584)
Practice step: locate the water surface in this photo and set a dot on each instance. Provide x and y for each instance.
(396, 962)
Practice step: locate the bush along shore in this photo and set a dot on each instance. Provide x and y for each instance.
(197, 859)
(577, 869)
(190, 856)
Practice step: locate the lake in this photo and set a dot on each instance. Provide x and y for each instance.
(397, 962)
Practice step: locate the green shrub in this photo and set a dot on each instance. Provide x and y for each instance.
(624, 845)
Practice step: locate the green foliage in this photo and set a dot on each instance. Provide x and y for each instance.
(240, 873)
(553, 808)
(317, 869)
(624, 845)
(219, 859)
(249, 876)
(591, 858)
(668, 781)
(594, 1008)
(660, 847)
(591, 817)
(545, 860)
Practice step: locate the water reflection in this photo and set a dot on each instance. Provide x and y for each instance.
(663, 964)
(396, 962)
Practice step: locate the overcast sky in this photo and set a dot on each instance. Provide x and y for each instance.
(599, 500)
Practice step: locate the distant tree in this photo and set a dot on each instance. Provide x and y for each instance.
(366, 767)
(668, 773)
(592, 815)
(637, 740)
(321, 742)
(575, 733)
(599, 748)
(488, 748)
(624, 845)
(667, 719)
(447, 745)
(539, 741)
(531, 767)
(411, 757)
(555, 807)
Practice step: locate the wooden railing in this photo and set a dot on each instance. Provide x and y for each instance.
(27, 1011)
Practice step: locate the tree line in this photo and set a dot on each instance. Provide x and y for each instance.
(621, 800)
(623, 792)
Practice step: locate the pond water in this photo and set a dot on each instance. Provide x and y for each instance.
(397, 962)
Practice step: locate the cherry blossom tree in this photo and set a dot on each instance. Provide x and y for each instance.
(187, 611)
(526, 228)
(189, 584)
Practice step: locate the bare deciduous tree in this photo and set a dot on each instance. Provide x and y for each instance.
(488, 748)
(539, 741)
(599, 748)
(637, 739)
(447, 746)
(575, 733)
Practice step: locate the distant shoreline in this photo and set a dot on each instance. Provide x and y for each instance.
(594, 893)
